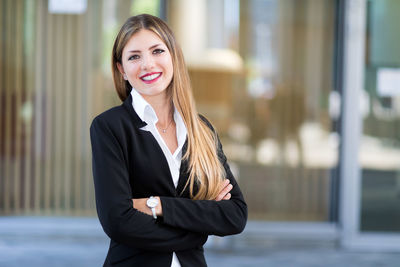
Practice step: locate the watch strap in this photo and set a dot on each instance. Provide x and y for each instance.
(153, 210)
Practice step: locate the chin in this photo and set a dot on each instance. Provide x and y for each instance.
(153, 92)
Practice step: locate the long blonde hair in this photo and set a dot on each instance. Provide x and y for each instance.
(205, 169)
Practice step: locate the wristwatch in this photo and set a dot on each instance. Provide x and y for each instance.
(152, 203)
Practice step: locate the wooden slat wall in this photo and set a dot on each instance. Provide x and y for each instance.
(50, 75)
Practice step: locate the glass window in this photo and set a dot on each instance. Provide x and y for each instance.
(262, 72)
(380, 141)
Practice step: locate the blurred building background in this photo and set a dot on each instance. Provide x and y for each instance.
(305, 95)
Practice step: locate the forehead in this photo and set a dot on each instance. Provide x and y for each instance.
(143, 40)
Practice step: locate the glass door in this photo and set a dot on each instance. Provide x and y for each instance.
(371, 149)
(380, 140)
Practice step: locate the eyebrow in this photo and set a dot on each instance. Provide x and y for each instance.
(137, 51)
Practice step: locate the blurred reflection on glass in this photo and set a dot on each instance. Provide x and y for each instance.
(380, 143)
(262, 72)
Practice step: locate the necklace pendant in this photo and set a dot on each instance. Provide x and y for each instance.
(164, 130)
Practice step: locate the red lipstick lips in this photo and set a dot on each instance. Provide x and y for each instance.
(150, 77)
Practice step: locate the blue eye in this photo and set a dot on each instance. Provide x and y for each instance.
(133, 57)
(158, 51)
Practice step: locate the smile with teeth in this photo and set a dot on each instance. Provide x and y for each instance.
(151, 77)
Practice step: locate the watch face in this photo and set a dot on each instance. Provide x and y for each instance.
(152, 202)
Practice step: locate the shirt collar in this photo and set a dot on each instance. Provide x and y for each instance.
(144, 110)
(147, 114)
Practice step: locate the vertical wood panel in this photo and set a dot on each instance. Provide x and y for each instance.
(38, 117)
(69, 110)
(29, 86)
(91, 31)
(2, 112)
(79, 92)
(58, 90)
(18, 93)
(8, 106)
(2, 105)
(48, 113)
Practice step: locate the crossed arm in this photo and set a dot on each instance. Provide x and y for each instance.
(140, 203)
(226, 215)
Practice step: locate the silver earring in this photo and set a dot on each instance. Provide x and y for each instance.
(125, 77)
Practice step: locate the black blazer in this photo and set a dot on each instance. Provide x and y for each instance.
(128, 163)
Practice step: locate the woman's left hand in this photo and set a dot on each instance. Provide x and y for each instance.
(225, 189)
(141, 205)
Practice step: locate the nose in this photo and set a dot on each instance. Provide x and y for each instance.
(147, 62)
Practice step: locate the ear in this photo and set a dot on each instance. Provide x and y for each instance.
(120, 68)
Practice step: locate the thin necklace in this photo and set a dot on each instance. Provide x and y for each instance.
(165, 129)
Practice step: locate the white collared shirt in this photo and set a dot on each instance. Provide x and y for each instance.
(147, 114)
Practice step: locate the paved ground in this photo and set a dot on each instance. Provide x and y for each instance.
(62, 242)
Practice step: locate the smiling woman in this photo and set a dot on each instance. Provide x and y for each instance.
(162, 181)
(146, 64)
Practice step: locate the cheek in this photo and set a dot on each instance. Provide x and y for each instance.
(170, 72)
(132, 70)
(167, 63)
(169, 66)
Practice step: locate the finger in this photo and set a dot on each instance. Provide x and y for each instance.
(225, 191)
(227, 196)
(224, 184)
(219, 197)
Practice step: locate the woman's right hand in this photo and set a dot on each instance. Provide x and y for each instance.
(225, 189)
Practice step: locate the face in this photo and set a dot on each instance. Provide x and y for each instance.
(147, 64)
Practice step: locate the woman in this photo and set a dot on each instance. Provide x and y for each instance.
(162, 181)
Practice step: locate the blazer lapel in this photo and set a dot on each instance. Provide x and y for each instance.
(127, 104)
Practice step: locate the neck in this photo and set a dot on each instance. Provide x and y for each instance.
(162, 105)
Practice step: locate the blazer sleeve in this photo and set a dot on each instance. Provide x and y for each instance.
(225, 217)
(120, 221)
